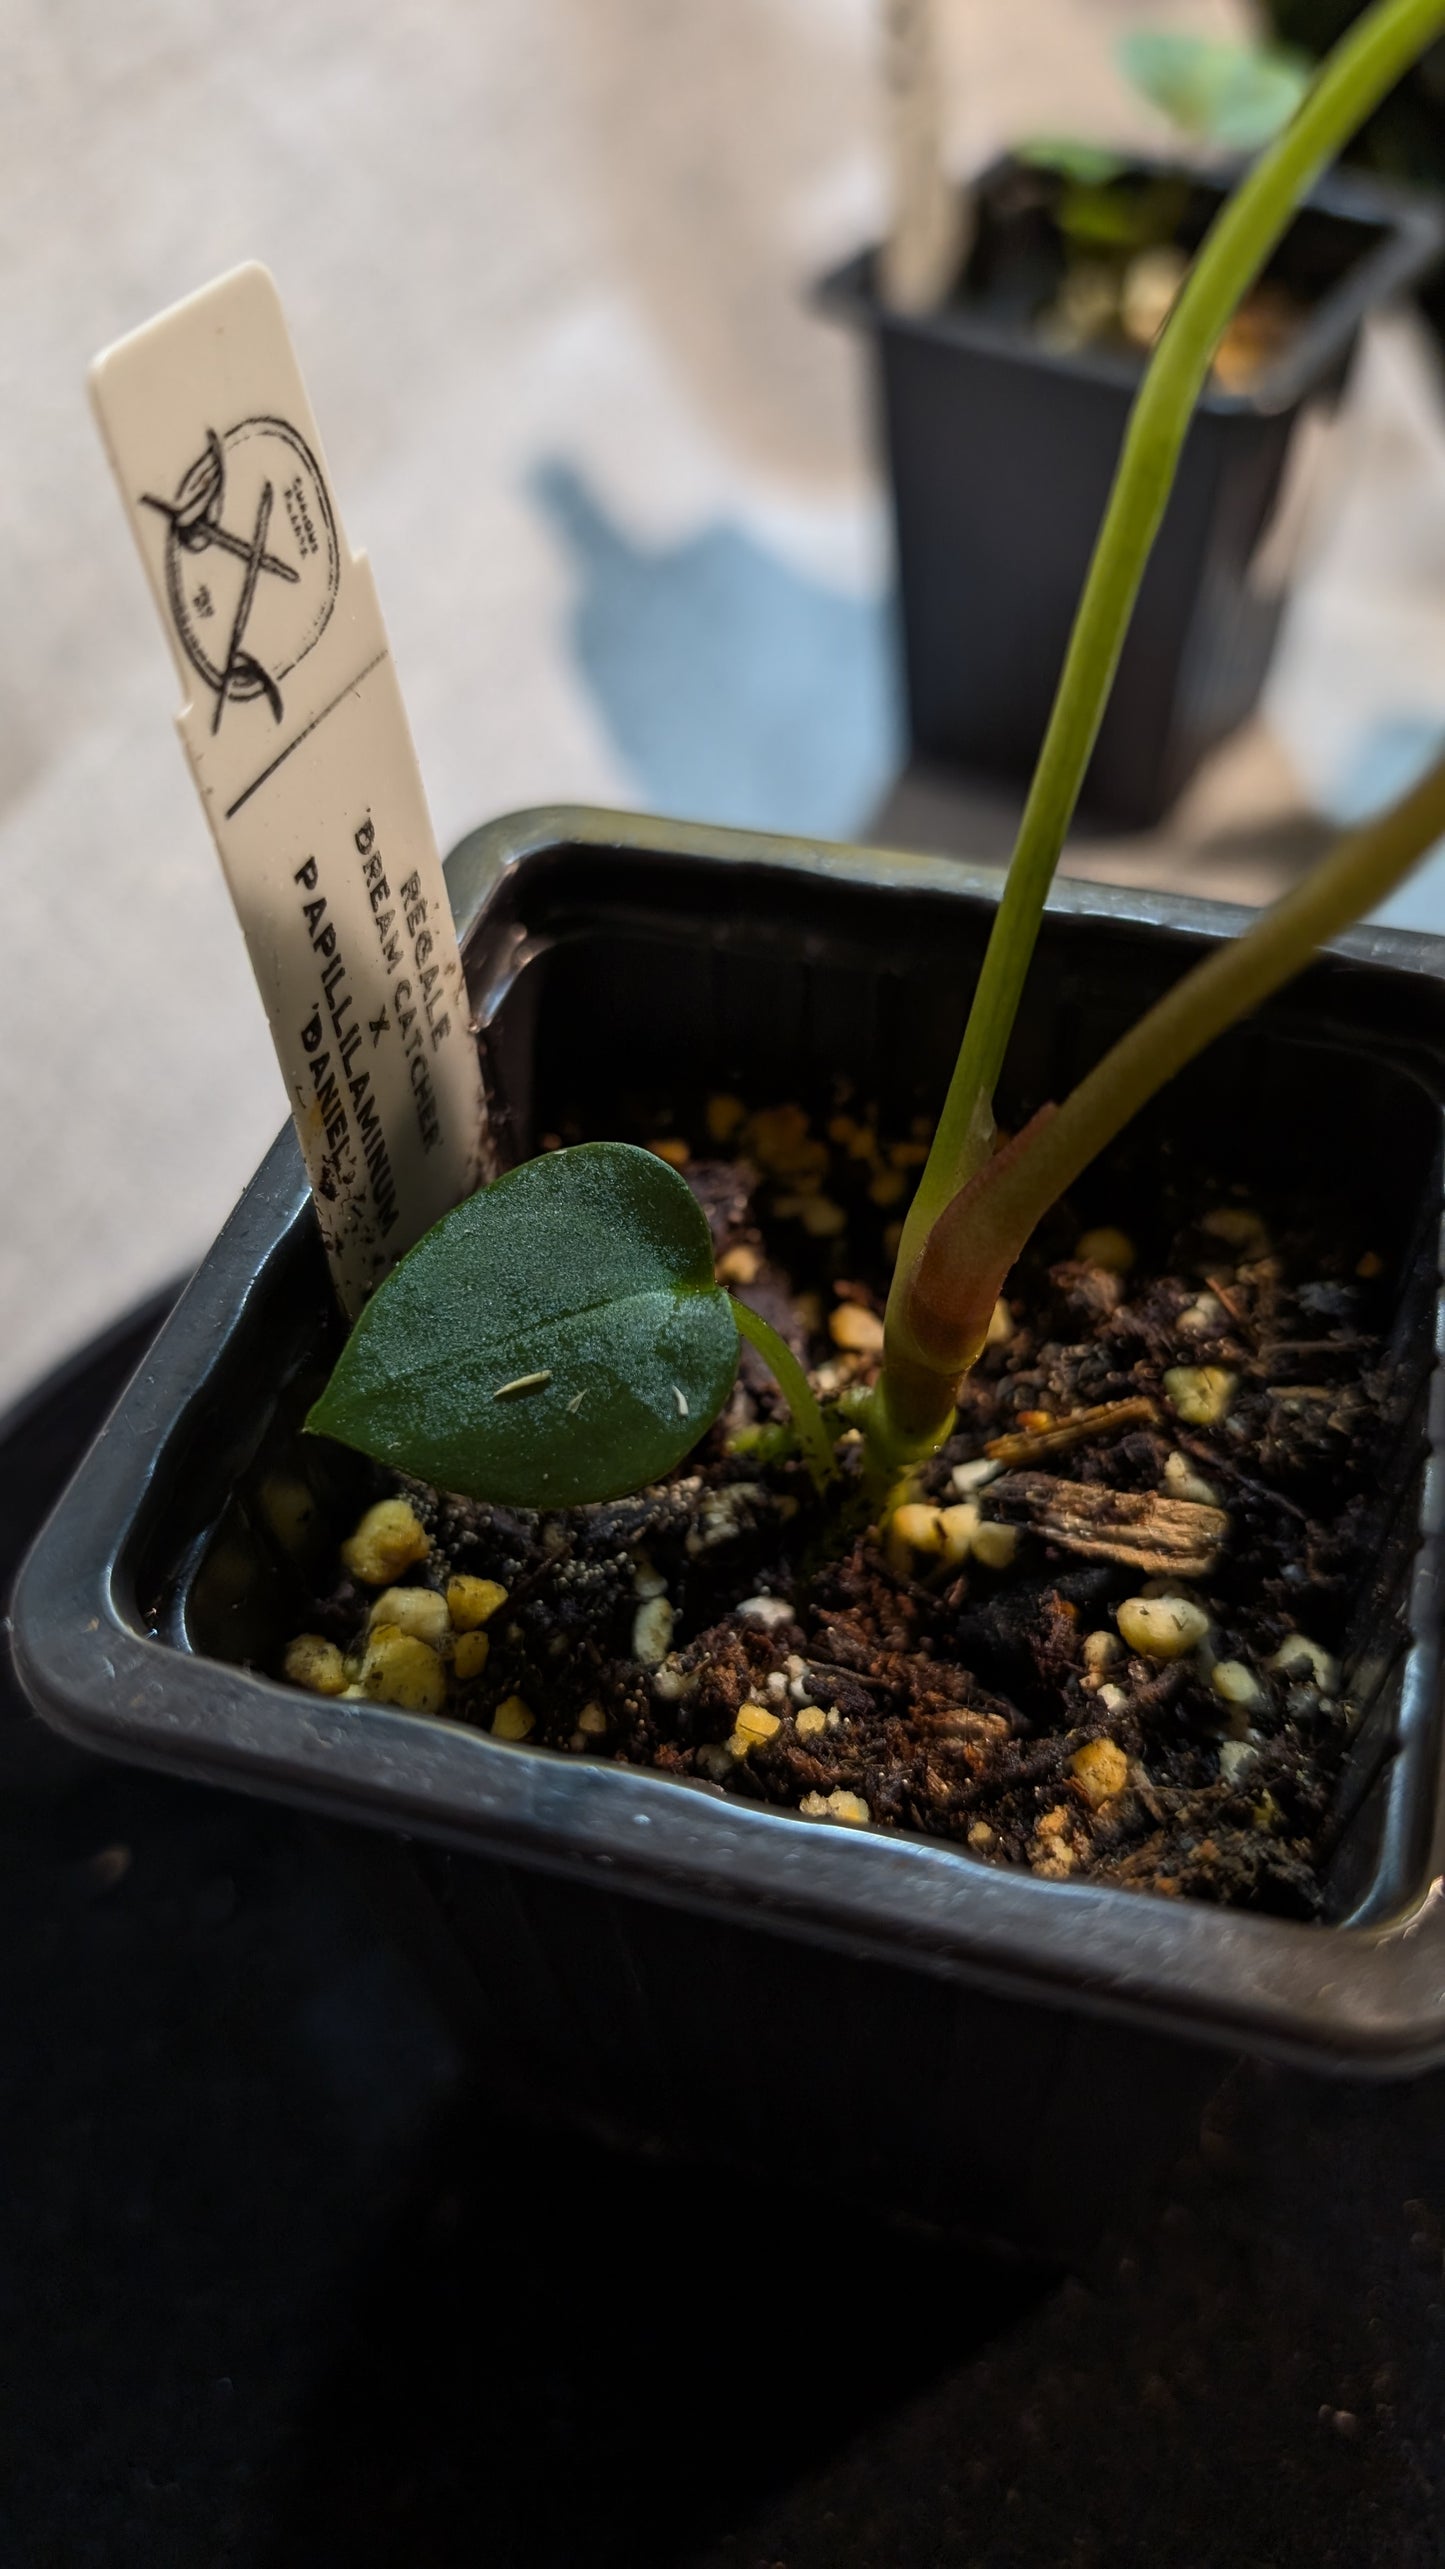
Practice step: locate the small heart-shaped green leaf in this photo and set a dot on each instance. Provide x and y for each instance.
(559, 1338)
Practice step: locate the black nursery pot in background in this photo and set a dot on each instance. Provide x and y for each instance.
(870, 2013)
(1001, 450)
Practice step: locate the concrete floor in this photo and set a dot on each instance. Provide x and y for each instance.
(543, 261)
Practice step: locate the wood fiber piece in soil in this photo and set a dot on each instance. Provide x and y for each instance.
(1141, 1529)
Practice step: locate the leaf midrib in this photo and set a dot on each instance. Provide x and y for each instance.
(475, 1354)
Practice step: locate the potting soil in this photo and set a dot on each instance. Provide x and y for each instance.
(1100, 1635)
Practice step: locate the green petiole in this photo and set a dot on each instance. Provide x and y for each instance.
(795, 1387)
(979, 1235)
(945, 1260)
(1349, 86)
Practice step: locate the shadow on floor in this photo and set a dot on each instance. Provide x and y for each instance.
(732, 687)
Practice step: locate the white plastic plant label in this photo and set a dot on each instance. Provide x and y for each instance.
(298, 740)
(925, 240)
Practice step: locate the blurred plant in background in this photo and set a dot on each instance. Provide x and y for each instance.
(1126, 262)
(1234, 96)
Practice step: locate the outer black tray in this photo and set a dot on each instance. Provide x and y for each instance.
(1001, 452)
(650, 1991)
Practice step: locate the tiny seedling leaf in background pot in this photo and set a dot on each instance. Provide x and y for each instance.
(559, 1338)
(1088, 164)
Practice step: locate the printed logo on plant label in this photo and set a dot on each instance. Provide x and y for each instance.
(252, 562)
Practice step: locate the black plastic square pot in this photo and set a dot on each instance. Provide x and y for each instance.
(1000, 454)
(877, 2011)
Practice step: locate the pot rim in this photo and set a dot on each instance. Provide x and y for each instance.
(1361, 1998)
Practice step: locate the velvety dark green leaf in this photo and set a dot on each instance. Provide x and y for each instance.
(558, 1338)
